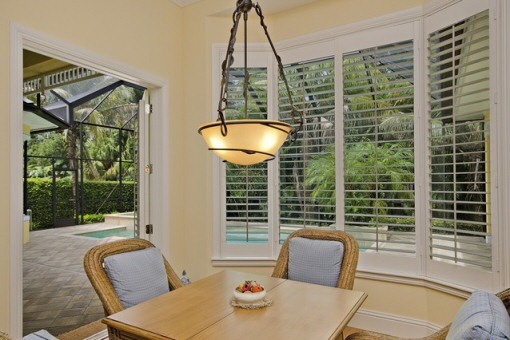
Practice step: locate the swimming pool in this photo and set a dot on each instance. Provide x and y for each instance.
(119, 232)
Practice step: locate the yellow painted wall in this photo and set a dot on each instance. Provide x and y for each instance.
(205, 27)
(413, 302)
(145, 35)
(175, 44)
(326, 14)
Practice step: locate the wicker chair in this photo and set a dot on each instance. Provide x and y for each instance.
(350, 257)
(4, 336)
(93, 263)
(439, 335)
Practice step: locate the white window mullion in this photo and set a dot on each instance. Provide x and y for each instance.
(273, 170)
(503, 98)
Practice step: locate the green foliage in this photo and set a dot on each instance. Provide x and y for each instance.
(45, 146)
(400, 224)
(103, 197)
(100, 197)
(376, 175)
(93, 218)
(40, 194)
(444, 227)
(51, 144)
(320, 175)
(365, 167)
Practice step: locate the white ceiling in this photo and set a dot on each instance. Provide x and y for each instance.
(269, 6)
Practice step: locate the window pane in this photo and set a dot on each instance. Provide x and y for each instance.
(246, 186)
(459, 143)
(379, 148)
(307, 165)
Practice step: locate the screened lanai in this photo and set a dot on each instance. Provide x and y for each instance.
(87, 166)
(80, 169)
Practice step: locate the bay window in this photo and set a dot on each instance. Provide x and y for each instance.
(395, 149)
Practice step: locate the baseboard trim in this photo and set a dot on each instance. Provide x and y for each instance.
(392, 324)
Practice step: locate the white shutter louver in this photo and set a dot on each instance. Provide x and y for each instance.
(459, 102)
(379, 148)
(247, 186)
(307, 165)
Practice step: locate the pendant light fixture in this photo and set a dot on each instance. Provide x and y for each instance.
(247, 141)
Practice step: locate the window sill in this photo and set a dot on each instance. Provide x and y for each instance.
(441, 286)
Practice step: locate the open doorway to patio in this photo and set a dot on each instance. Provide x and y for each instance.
(81, 176)
(154, 186)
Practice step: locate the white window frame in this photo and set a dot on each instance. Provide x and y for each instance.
(411, 24)
(223, 252)
(441, 271)
(318, 50)
(381, 262)
(260, 55)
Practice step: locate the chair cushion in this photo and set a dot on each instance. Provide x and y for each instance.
(39, 335)
(315, 261)
(137, 276)
(482, 316)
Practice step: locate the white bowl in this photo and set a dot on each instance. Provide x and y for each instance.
(249, 298)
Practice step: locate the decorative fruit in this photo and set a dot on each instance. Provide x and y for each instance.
(256, 289)
(249, 287)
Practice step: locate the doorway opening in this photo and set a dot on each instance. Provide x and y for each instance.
(81, 184)
(153, 187)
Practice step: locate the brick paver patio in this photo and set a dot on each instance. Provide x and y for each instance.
(57, 295)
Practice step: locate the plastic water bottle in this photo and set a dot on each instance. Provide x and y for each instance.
(184, 279)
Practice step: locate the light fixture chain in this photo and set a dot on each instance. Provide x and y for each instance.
(246, 74)
(249, 141)
(225, 69)
(294, 112)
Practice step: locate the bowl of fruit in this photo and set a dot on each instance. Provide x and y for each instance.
(249, 292)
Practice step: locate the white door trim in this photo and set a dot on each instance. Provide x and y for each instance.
(25, 38)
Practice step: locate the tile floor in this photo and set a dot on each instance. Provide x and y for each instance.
(57, 295)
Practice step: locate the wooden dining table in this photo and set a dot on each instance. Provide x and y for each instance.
(203, 310)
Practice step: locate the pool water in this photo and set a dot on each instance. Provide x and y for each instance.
(119, 232)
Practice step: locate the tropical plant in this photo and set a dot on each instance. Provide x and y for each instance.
(93, 143)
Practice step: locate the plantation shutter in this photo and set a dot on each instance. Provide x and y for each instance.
(379, 192)
(460, 218)
(247, 186)
(307, 165)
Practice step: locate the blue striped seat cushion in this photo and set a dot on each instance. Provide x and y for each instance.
(315, 261)
(137, 276)
(482, 316)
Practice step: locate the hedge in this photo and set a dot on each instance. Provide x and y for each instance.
(99, 197)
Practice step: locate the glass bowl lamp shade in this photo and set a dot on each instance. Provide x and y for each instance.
(248, 141)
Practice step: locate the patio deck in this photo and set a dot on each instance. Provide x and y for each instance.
(57, 295)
